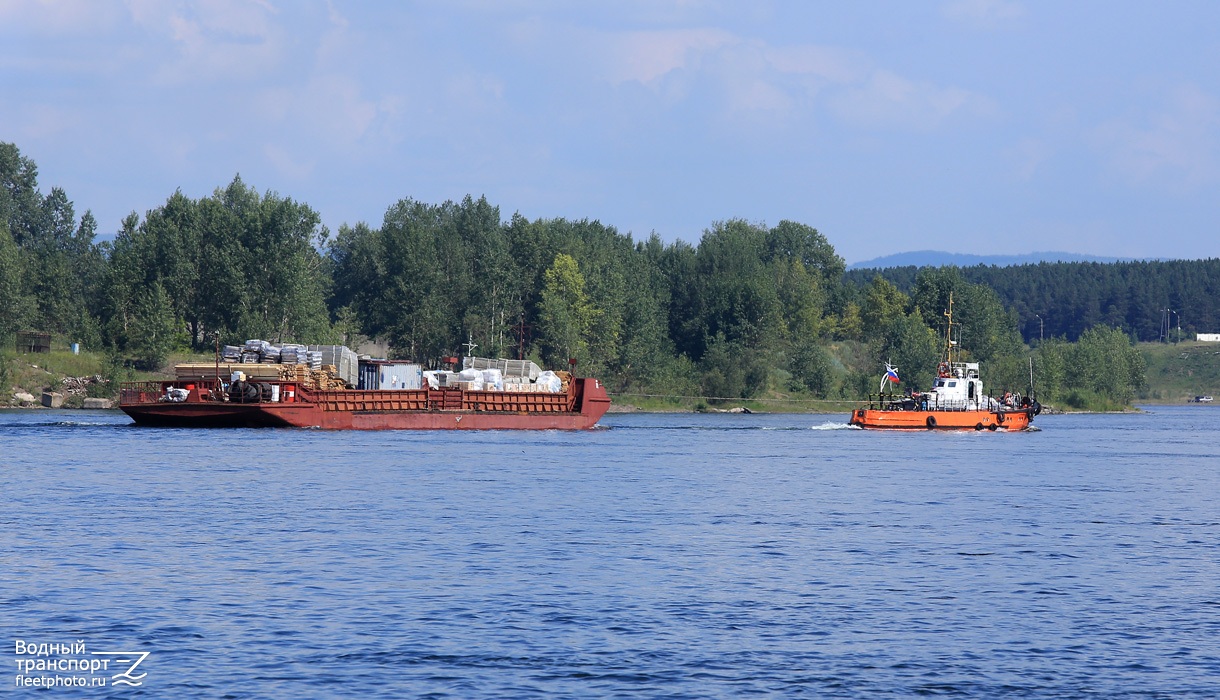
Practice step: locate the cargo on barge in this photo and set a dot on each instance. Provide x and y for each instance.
(275, 395)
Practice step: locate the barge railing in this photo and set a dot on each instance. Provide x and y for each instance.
(445, 399)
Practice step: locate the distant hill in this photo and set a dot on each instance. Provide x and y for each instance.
(938, 258)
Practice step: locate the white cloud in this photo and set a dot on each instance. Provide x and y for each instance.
(647, 56)
(986, 14)
(43, 121)
(213, 39)
(1175, 146)
(760, 82)
(339, 108)
(832, 65)
(58, 17)
(888, 99)
(1027, 156)
(287, 162)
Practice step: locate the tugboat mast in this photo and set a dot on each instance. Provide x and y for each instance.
(949, 333)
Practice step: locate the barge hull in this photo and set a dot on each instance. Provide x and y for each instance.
(578, 409)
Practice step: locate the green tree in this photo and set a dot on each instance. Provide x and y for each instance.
(20, 200)
(910, 345)
(406, 290)
(732, 370)
(646, 352)
(790, 240)
(565, 313)
(488, 295)
(1050, 367)
(680, 265)
(883, 304)
(811, 367)
(154, 329)
(801, 298)
(1104, 362)
(987, 329)
(849, 325)
(168, 251)
(15, 306)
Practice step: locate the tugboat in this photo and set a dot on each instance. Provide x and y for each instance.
(956, 401)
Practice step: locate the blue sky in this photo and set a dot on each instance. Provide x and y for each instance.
(972, 126)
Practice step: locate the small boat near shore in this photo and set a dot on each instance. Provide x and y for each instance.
(955, 402)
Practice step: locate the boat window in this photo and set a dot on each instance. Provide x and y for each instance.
(940, 382)
(952, 384)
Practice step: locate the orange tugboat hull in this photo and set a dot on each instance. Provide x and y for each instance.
(941, 420)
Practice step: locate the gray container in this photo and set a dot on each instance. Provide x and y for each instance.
(399, 375)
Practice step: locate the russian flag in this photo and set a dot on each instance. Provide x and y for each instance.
(891, 373)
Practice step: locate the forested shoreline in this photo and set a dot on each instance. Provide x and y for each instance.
(1149, 300)
(750, 311)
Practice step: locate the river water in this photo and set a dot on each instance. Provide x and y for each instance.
(662, 556)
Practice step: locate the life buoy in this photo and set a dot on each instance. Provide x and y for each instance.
(931, 422)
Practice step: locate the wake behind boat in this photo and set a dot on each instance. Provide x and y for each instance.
(956, 401)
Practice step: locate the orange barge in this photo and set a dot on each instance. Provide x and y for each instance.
(956, 401)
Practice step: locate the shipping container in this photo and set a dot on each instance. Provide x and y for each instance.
(400, 375)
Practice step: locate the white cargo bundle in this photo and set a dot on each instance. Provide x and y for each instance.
(508, 368)
(471, 378)
(431, 379)
(551, 381)
(493, 380)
